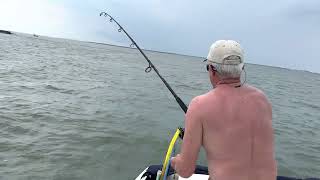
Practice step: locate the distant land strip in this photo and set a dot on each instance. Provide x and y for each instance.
(5, 32)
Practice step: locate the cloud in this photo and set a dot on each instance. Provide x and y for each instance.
(32, 16)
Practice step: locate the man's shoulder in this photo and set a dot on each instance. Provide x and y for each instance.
(198, 101)
(201, 101)
(254, 90)
(203, 97)
(257, 94)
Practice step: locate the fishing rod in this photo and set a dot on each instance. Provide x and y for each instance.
(151, 66)
(180, 130)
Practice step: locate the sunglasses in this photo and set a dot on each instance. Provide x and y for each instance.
(212, 67)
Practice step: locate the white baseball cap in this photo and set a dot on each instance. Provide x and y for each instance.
(227, 52)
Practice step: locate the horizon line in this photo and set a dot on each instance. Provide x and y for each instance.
(157, 51)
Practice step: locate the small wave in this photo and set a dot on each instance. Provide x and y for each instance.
(184, 86)
(313, 106)
(37, 115)
(17, 130)
(281, 86)
(194, 87)
(53, 87)
(20, 105)
(27, 87)
(85, 97)
(68, 91)
(61, 90)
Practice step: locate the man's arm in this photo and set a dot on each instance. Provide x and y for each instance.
(185, 162)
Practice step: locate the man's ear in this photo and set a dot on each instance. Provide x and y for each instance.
(213, 72)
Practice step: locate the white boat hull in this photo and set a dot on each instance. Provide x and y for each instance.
(206, 177)
(177, 177)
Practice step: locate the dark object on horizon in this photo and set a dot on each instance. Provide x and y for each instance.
(5, 32)
(35, 35)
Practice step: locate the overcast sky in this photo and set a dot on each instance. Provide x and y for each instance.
(283, 33)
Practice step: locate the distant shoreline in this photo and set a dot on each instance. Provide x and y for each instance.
(101, 43)
(5, 32)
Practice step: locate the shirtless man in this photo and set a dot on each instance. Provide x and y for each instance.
(233, 122)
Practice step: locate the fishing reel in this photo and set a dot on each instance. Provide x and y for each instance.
(181, 134)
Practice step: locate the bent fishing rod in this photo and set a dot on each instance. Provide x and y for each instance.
(150, 67)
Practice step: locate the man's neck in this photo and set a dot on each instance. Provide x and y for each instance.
(234, 82)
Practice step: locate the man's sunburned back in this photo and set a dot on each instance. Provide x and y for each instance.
(233, 124)
(237, 133)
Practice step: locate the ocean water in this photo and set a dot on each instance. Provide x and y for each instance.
(79, 110)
